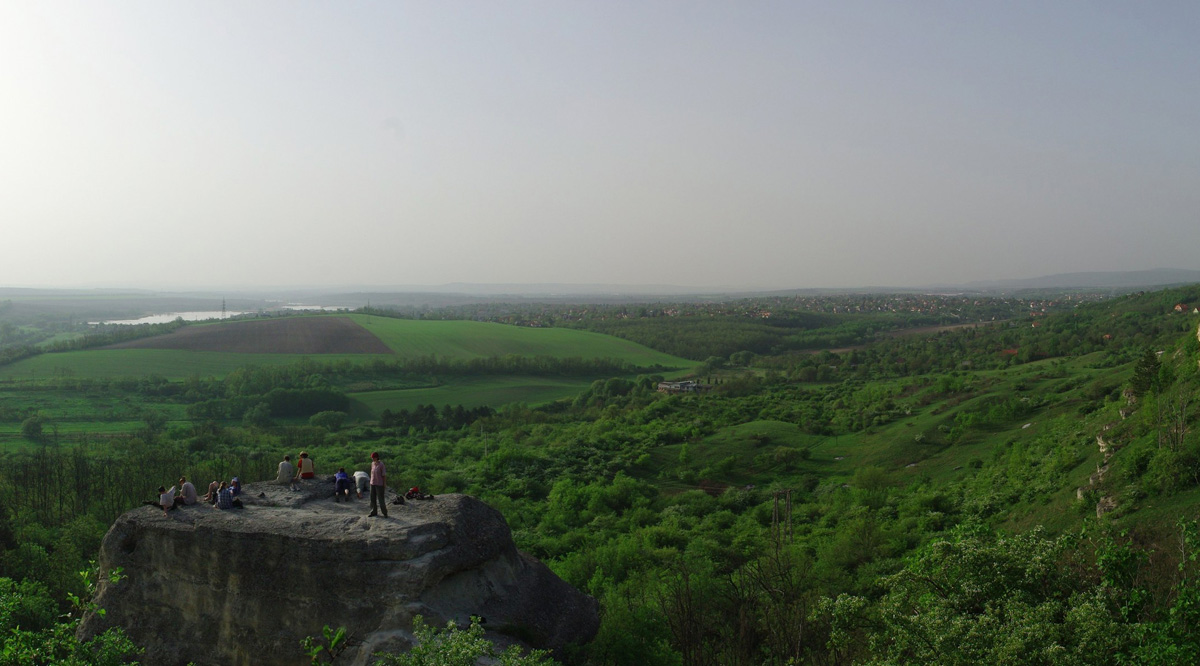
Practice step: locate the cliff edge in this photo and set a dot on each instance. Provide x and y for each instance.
(244, 586)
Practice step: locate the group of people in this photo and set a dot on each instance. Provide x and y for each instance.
(291, 474)
(374, 483)
(224, 495)
(221, 494)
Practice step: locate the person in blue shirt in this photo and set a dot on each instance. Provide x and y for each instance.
(341, 485)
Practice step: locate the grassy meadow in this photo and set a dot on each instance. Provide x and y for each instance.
(410, 338)
(34, 385)
(169, 363)
(457, 340)
(469, 392)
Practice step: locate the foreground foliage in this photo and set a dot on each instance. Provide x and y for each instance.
(458, 647)
(33, 636)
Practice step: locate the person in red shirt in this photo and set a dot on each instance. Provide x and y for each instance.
(305, 469)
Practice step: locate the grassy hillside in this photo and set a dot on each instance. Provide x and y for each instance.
(458, 340)
(936, 485)
(169, 363)
(114, 390)
(470, 339)
(469, 392)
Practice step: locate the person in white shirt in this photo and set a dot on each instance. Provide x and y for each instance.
(287, 472)
(166, 499)
(362, 481)
(187, 492)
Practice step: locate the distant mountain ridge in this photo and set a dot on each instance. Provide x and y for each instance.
(458, 293)
(1156, 277)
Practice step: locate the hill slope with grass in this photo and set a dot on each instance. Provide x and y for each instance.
(217, 349)
(409, 338)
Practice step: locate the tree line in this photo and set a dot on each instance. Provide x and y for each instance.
(431, 418)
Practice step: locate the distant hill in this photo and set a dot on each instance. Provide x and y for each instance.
(1157, 277)
(132, 303)
(463, 293)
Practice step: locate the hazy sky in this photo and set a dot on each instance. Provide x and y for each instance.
(741, 144)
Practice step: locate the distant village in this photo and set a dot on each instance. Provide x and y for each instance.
(944, 308)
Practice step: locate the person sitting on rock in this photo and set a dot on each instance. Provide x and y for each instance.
(341, 485)
(236, 486)
(211, 496)
(225, 499)
(166, 499)
(187, 492)
(305, 469)
(362, 482)
(287, 472)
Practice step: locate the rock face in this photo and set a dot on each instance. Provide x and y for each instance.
(244, 586)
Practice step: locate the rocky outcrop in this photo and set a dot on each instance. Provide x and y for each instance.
(244, 586)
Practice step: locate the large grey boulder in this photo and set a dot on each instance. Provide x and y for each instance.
(244, 586)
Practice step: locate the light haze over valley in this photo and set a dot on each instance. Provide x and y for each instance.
(703, 146)
(655, 333)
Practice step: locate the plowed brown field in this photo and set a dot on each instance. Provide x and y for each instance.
(289, 335)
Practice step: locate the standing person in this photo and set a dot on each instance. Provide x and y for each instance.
(286, 472)
(305, 469)
(378, 485)
(362, 482)
(187, 492)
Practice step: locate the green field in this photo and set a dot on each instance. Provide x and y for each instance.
(410, 338)
(458, 340)
(27, 386)
(470, 392)
(168, 363)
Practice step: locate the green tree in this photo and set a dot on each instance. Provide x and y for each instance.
(1145, 373)
(258, 416)
(329, 420)
(983, 598)
(31, 428)
(34, 644)
(458, 647)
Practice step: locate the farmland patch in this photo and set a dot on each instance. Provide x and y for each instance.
(471, 392)
(289, 335)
